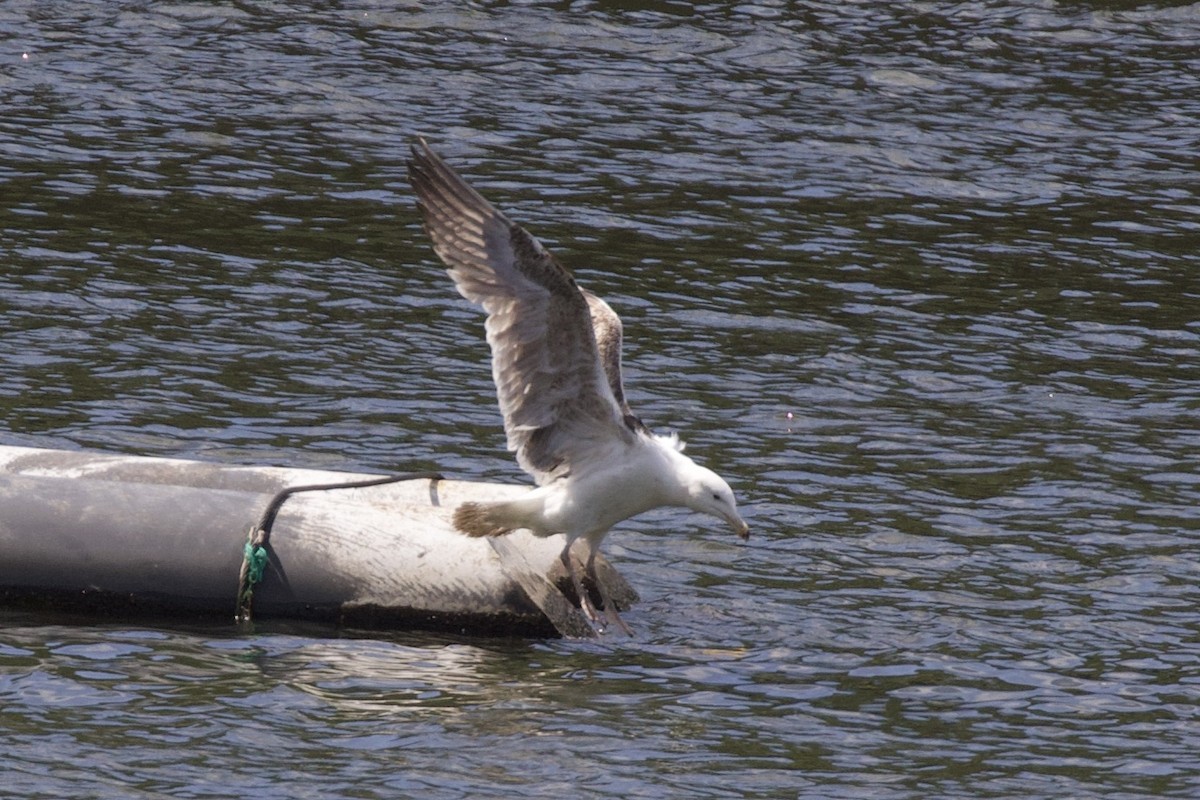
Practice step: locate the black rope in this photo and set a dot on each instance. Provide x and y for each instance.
(258, 552)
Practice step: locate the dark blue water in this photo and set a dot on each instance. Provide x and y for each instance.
(920, 280)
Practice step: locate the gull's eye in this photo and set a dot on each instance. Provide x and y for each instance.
(716, 496)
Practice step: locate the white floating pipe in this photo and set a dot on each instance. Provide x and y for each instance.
(125, 535)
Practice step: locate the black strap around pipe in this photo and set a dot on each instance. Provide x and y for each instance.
(258, 552)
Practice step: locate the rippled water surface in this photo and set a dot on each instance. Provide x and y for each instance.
(920, 279)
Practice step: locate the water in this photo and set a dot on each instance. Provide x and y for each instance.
(920, 279)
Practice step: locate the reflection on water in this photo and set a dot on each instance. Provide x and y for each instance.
(919, 279)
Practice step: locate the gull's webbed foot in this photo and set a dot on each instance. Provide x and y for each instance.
(610, 617)
(610, 608)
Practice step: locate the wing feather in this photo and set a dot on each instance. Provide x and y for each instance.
(558, 398)
(609, 332)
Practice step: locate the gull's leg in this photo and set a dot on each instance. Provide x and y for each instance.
(585, 602)
(610, 608)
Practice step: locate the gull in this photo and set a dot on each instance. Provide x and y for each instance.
(556, 362)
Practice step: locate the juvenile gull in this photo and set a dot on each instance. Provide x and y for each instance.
(556, 361)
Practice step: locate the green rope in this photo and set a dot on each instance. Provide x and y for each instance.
(254, 565)
(256, 560)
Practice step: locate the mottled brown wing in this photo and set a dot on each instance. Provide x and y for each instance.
(554, 394)
(609, 332)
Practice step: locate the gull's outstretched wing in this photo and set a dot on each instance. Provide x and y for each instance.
(607, 328)
(555, 395)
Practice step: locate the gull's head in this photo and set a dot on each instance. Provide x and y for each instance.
(708, 493)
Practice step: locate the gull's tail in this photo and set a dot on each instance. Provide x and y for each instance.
(484, 519)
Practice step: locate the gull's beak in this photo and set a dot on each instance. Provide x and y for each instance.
(739, 526)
